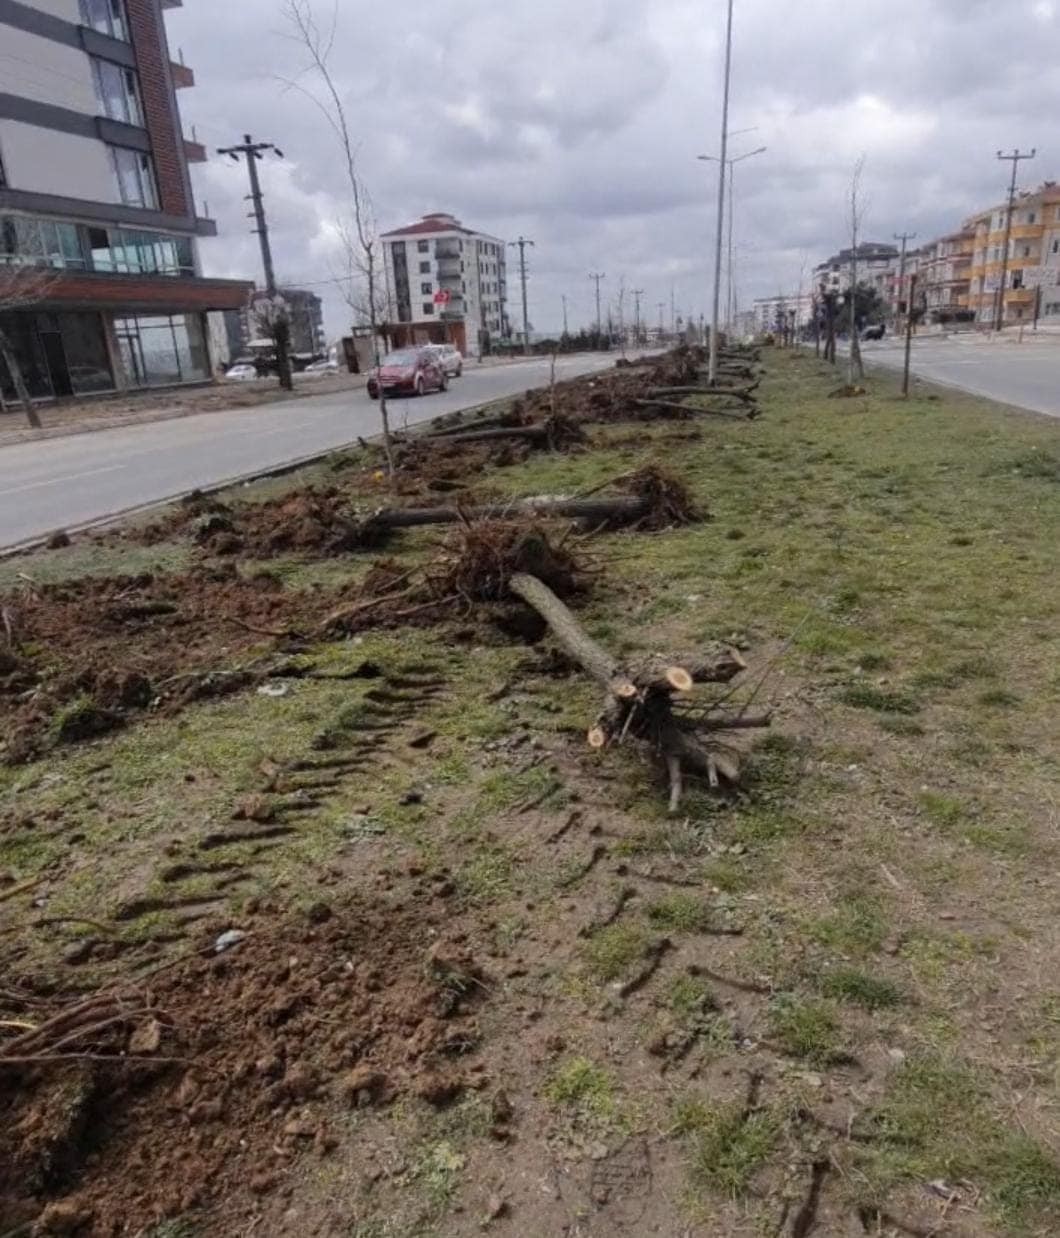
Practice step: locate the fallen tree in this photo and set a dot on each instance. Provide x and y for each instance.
(737, 413)
(639, 699)
(554, 433)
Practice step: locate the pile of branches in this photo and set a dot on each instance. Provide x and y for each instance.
(733, 394)
(119, 1024)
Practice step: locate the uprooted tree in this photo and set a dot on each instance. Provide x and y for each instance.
(21, 288)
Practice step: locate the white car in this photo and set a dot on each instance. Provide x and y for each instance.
(449, 357)
(322, 367)
(242, 373)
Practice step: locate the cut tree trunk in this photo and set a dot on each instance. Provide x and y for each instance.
(545, 434)
(638, 700)
(626, 509)
(747, 394)
(688, 410)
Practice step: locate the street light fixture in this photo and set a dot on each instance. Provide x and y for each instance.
(731, 163)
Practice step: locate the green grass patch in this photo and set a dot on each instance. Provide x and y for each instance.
(806, 1028)
(937, 1121)
(581, 1085)
(728, 1146)
(857, 926)
(867, 696)
(681, 913)
(610, 952)
(860, 988)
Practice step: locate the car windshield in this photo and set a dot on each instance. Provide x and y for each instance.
(405, 356)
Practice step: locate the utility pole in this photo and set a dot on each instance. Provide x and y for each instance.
(597, 276)
(522, 243)
(1014, 159)
(637, 294)
(904, 237)
(662, 308)
(673, 312)
(712, 373)
(908, 338)
(565, 331)
(254, 152)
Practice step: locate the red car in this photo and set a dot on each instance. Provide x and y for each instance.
(409, 371)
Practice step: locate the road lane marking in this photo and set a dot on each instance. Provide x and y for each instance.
(58, 481)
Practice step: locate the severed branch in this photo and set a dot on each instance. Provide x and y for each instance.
(689, 410)
(639, 699)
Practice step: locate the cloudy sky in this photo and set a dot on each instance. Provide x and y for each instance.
(578, 122)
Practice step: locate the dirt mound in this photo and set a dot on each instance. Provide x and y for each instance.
(242, 1062)
(86, 655)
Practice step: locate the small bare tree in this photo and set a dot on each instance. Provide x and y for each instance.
(359, 233)
(856, 368)
(271, 316)
(20, 289)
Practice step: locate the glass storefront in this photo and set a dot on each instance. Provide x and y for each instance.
(163, 351)
(61, 354)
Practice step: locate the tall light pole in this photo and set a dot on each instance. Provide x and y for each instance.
(522, 243)
(637, 294)
(730, 164)
(1014, 159)
(712, 372)
(565, 331)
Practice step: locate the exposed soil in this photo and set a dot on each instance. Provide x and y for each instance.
(85, 656)
(240, 1063)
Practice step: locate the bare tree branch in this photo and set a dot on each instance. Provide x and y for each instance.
(364, 253)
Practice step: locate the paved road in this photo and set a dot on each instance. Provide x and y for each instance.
(70, 482)
(1026, 375)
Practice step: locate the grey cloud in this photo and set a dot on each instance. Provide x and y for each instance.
(578, 124)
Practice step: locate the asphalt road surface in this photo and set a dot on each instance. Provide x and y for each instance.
(1026, 375)
(71, 482)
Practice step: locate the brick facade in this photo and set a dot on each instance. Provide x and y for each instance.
(134, 293)
(161, 118)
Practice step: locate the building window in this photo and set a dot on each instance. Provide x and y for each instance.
(140, 253)
(424, 247)
(106, 16)
(25, 241)
(163, 351)
(136, 177)
(1031, 217)
(425, 268)
(1056, 247)
(428, 309)
(117, 91)
(426, 289)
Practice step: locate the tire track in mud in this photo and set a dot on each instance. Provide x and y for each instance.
(354, 745)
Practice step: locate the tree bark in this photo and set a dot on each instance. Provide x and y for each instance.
(21, 390)
(568, 631)
(688, 410)
(626, 509)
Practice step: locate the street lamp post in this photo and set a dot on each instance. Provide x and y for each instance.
(730, 166)
(713, 370)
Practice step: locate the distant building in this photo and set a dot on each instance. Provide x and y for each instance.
(876, 265)
(238, 335)
(94, 186)
(1033, 268)
(446, 282)
(944, 276)
(771, 314)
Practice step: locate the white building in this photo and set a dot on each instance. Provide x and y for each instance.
(877, 265)
(771, 313)
(445, 282)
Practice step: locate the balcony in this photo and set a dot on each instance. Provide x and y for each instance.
(183, 77)
(449, 268)
(194, 152)
(447, 251)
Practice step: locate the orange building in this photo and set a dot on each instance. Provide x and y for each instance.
(1033, 256)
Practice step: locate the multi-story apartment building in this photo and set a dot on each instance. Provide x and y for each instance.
(1033, 265)
(945, 276)
(876, 265)
(446, 282)
(95, 189)
(775, 313)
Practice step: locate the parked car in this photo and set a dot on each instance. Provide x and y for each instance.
(409, 371)
(875, 332)
(450, 356)
(326, 366)
(242, 373)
